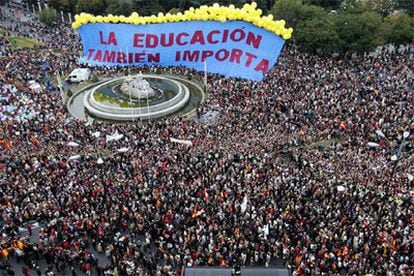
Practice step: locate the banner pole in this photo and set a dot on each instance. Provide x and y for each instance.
(130, 97)
(205, 74)
(62, 94)
(148, 107)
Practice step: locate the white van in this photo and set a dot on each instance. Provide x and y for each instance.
(79, 74)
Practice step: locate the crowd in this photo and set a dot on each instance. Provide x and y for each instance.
(284, 173)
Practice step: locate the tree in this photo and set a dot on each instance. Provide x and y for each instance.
(63, 5)
(186, 4)
(383, 7)
(48, 16)
(289, 10)
(318, 35)
(354, 6)
(405, 5)
(311, 11)
(147, 7)
(169, 4)
(174, 11)
(327, 4)
(92, 6)
(402, 28)
(294, 11)
(123, 7)
(358, 30)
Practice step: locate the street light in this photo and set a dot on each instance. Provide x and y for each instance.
(395, 157)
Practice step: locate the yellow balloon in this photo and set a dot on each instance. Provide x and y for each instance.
(216, 6)
(254, 5)
(222, 19)
(286, 36)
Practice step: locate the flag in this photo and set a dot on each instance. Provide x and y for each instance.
(243, 206)
(5, 253)
(20, 245)
(35, 141)
(196, 212)
(206, 196)
(157, 195)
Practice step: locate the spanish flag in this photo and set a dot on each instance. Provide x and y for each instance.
(197, 212)
(20, 245)
(35, 141)
(4, 253)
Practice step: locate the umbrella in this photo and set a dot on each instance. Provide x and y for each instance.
(114, 137)
(96, 134)
(123, 150)
(74, 157)
(185, 142)
(340, 188)
(380, 133)
(73, 144)
(373, 145)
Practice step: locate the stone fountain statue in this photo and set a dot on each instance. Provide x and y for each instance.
(137, 87)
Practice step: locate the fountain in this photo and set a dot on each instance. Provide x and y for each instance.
(137, 97)
(137, 87)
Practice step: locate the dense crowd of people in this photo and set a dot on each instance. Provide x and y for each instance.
(284, 173)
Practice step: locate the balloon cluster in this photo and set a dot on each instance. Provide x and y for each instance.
(248, 13)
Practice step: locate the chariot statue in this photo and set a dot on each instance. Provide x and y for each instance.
(137, 87)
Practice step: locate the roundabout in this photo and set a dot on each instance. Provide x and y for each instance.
(136, 97)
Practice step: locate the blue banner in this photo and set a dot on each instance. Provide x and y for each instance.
(232, 48)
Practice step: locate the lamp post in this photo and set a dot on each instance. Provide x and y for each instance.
(100, 162)
(395, 157)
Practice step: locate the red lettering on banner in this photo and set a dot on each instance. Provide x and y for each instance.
(194, 56)
(121, 57)
(198, 37)
(206, 54)
(111, 39)
(90, 52)
(225, 36)
(237, 35)
(138, 40)
(253, 40)
(98, 56)
(170, 42)
(250, 58)
(109, 56)
(235, 55)
(225, 55)
(140, 57)
(263, 66)
(151, 41)
(210, 37)
(179, 37)
(154, 57)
